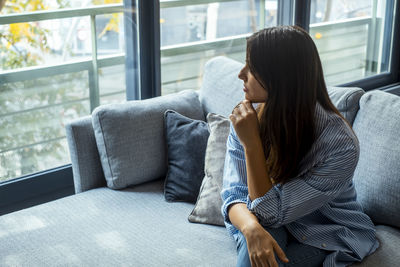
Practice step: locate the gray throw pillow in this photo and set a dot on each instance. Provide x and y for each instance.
(130, 137)
(208, 206)
(186, 146)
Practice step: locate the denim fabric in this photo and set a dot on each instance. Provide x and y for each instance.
(299, 255)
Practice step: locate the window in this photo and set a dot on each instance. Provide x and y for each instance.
(57, 64)
(354, 37)
(191, 33)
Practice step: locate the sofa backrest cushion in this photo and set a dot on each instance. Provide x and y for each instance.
(377, 176)
(222, 90)
(346, 100)
(86, 166)
(130, 137)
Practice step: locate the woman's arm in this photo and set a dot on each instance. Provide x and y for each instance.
(331, 172)
(245, 122)
(242, 218)
(303, 195)
(258, 181)
(261, 245)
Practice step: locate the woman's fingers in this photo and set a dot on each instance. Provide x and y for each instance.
(232, 117)
(236, 108)
(247, 105)
(272, 262)
(270, 259)
(258, 262)
(264, 259)
(242, 108)
(279, 252)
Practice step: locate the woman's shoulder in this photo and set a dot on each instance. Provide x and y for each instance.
(334, 131)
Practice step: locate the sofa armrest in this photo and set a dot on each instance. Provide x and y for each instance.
(86, 165)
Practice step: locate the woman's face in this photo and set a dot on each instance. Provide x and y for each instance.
(254, 92)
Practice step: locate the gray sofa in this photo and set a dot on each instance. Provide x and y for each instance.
(133, 225)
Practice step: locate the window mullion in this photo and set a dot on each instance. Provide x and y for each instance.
(149, 44)
(302, 14)
(132, 50)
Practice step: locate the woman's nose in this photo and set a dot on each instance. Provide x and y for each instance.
(241, 74)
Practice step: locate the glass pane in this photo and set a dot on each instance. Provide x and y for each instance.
(44, 42)
(192, 34)
(112, 84)
(110, 34)
(352, 37)
(19, 6)
(45, 74)
(33, 116)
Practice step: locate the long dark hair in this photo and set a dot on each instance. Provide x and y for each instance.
(285, 61)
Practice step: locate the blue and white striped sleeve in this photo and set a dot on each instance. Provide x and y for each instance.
(234, 189)
(286, 203)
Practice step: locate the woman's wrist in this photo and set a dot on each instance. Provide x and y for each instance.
(250, 227)
(253, 145)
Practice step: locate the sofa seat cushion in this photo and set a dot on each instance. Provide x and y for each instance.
(387, 255)
(104, 227)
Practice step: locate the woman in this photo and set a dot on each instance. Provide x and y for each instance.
(288, 194)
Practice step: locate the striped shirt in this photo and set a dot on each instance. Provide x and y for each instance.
(319, 206)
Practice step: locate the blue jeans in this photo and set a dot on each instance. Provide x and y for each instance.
(299, 255)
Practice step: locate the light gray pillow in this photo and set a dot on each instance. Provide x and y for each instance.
(221, 85)
(130, 137)
(377, 176)
(208, 206)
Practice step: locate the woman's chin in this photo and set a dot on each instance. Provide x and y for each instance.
(252, 99)
(247, 97)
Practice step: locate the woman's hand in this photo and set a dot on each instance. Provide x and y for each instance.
(244, 120)
(262, 247)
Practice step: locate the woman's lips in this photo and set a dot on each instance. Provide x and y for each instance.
(245, 89)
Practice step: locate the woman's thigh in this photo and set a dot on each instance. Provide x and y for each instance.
(299, 255)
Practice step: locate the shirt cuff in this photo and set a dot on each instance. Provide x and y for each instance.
(251, 205)
(267, 207)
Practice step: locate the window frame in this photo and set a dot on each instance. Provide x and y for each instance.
(384, 81)
(31, 190)
(143, 81)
